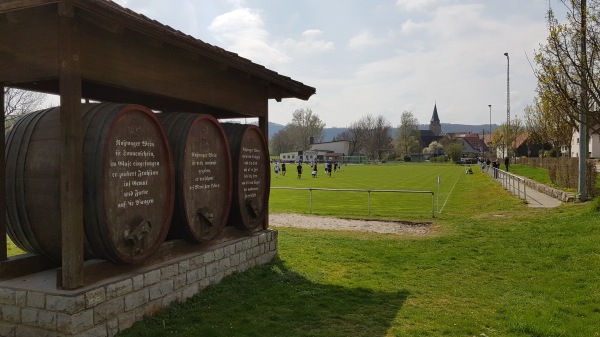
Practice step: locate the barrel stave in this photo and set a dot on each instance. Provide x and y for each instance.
(203, 176)
(33, 160)
(251, 176)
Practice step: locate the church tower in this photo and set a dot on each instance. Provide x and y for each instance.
(434, 124)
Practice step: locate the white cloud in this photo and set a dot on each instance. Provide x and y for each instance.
(364, 40)
(454, 56)
(241, 22)
(410, 5)
(410, 26)
(398, 55)
(242, 31)
(311, 43)
(236, 3)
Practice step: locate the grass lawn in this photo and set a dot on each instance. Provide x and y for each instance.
(541, 175)
(491, 266)
(403, 176)
(12, 249)
(538, 174)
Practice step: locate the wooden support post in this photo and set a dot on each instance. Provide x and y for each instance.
(3, 248)
(263, 125)
(71, 158)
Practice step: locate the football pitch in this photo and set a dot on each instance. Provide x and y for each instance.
(291, 194)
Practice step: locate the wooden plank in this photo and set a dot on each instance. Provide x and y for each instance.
(126, 61)
(28, 47)
(25, 264)
(71, 172)
(3, 247)
(19, 4)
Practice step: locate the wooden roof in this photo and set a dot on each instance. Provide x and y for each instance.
(98, 50)
(127, 57)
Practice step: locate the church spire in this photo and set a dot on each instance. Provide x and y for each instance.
(434, 117)
(434, 125)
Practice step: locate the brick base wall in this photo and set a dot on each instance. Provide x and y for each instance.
(107, 308)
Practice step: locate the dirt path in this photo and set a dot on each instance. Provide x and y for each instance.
(319, 222)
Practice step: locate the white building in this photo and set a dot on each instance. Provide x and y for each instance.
(342, 147)
(320, 152)
(593, 144)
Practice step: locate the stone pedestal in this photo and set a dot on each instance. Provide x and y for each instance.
(32, 306)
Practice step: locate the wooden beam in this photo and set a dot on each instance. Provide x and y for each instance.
(25, 264)
(3, 247)
(71, 158)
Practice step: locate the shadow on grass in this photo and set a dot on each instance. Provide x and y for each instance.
(271, 300)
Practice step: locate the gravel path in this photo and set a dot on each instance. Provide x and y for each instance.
(375, 226)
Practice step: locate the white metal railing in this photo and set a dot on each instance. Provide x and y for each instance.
(368, 191)
(515, 184)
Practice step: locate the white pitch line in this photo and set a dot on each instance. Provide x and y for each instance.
(448, 197)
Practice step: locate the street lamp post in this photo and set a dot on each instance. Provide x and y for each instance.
(490, 135)
(507, 102)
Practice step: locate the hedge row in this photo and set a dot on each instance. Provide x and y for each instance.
(564, 171)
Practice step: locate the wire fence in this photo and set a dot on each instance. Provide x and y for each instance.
(368, 191)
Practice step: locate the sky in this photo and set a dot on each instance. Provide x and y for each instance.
(379, 57)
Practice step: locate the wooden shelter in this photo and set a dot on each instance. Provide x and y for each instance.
(98, 50)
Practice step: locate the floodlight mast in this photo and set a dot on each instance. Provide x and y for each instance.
(507, 102)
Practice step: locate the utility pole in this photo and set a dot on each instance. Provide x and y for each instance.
(583, 108)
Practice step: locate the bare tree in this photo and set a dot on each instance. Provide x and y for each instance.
(353, 137)
(20, 102)
(281, 143)
(369, 135)
(304, 125)
(377, 136)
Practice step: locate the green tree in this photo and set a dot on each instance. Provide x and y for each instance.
(516, 130)
(563, 69)
(499, 141)
(407, 141)
(454, 151)
(546, 124)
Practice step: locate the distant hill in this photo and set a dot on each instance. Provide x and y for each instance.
(274, 128)
(330, 133)
(447, 127)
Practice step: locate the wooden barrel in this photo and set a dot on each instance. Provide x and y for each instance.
(203, 185)
(128, 182)
(251, 175)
